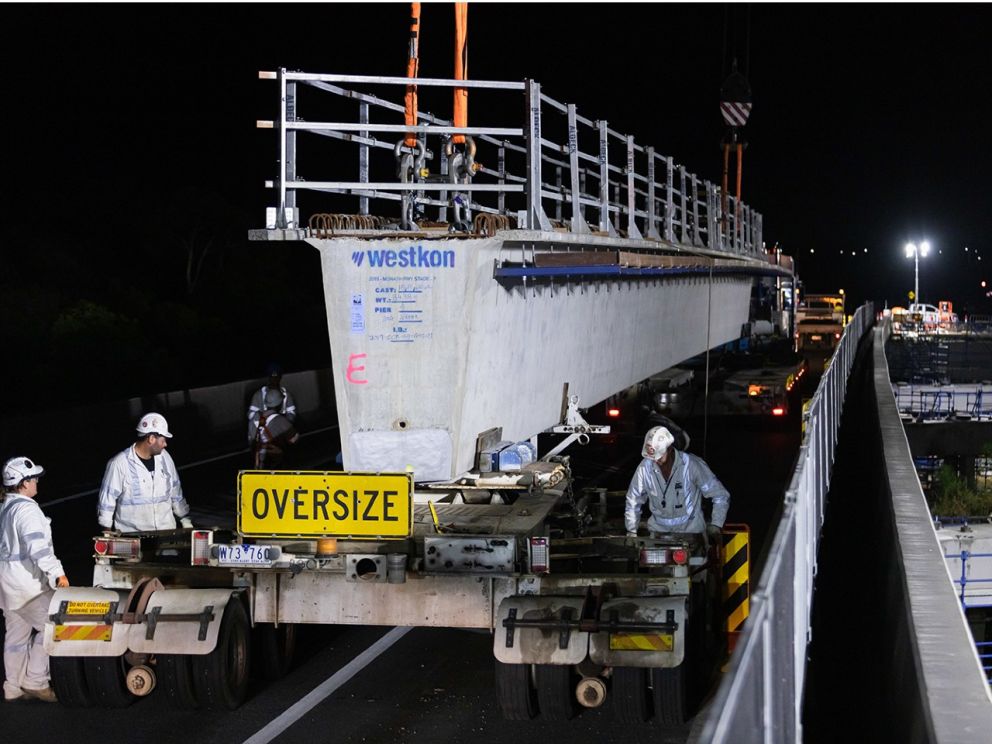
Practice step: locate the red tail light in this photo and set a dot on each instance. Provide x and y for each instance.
(540, 548)
(613, 412)
(778, 411)
(128, 548)
(200, 553)
(680, 556)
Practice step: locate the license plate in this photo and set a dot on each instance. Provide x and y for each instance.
(642, 642)
(245, 555)
(356, 506)
(816, 338)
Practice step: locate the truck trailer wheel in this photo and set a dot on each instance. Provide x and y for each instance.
(515, 692)
(220, 678)
(69, 681)
(631, 703)
(555, 691)
(175, 677)
(273, 649)
(670, 695)
(105, 676)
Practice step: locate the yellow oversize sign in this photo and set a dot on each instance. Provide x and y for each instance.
(372, 506)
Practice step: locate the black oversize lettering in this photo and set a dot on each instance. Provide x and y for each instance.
(260, 514)
(280, 505)
(366, 515)
(387, 505)
(320, 499)
(298, 503)
(339, 502)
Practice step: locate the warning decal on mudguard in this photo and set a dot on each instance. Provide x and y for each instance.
(83, 632)
(642, 642)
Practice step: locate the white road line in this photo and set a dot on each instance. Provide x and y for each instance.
(239, 453)
(328, 686)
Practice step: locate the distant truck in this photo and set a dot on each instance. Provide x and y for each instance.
(819, 322)
(770, 391)
(924, 318)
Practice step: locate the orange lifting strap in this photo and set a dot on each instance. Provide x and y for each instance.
(412, 70)
(461, 69)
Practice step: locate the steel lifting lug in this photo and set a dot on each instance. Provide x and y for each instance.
(461, 169)
(410, 163)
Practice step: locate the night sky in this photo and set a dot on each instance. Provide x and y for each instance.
(125, 124)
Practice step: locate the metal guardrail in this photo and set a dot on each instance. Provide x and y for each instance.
(984, 649)
(931, 403)
(554, 165)
(760, 699)
(963, 580)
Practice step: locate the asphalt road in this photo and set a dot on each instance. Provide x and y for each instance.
(430, 684)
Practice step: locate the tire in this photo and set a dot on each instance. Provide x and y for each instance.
(175, 679)
(220, 678)
(69, 681)
(105, 677)
(555, 692)
(670, 695)
(274, 649)
(515, 694)
(631, 703)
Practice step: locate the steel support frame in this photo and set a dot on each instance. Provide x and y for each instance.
(536, 219)
(632, 231)
(579, 225)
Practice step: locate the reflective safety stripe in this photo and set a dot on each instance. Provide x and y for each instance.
(736, 575)
(642, 642)
(83, 632)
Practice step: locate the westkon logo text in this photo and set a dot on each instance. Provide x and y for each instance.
(414, 257)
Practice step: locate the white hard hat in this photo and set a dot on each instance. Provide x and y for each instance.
(656, 442)
(16, 469)
(154, 423)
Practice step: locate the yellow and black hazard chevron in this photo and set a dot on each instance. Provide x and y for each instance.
(83, 632)
(642, 642)
(736, 574)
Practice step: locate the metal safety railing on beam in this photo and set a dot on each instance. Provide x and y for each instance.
(761, 697)
(554, 165)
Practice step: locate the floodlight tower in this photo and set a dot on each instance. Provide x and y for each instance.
(913, 251)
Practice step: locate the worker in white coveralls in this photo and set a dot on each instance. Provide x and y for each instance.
(141, 491)
(674, 484)
(271, 418)
(29, 571)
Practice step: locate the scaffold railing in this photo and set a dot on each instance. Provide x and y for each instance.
(538, 165)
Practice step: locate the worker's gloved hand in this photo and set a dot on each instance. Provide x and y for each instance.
(714, 534)
(186, 523)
